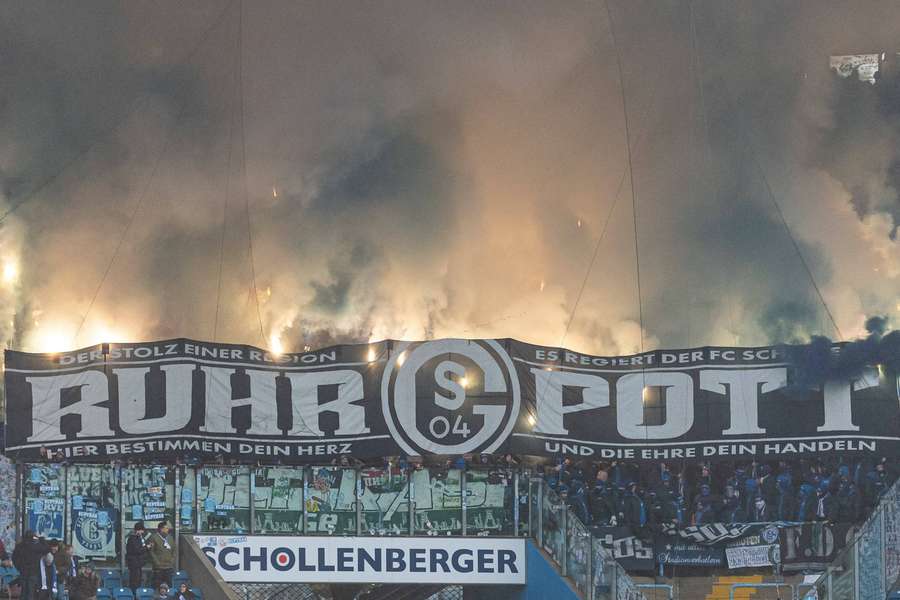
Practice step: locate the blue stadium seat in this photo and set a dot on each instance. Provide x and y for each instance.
(122, 594)
(197, 593)
(104, 594)
(8, 575)
(110, 579)
(180, 577)
(143, 594)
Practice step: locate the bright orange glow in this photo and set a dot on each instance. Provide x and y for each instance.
(53, 341)
(10, 271)
(275, 345)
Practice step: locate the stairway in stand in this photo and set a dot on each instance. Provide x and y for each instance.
(722, 587)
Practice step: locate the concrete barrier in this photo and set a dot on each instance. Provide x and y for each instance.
(202, 573)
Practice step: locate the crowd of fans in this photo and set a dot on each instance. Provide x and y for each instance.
(46, 568)
(648, 496)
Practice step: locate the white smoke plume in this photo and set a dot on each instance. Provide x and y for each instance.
(428, 169)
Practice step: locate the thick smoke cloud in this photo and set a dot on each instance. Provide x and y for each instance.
(424, 169)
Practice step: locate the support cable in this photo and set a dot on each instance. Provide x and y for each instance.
(138, 203)
(634, 208)
(231, 112)
(754, 155)
(255, 289)
(625, 171)
(790, 233)
(130, 222)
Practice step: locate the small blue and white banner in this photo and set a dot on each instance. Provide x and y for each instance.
(301, 559)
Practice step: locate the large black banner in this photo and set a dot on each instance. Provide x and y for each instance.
(811, 545)
(447, 396)
(629, 550)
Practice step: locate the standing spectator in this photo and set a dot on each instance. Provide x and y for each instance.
(66, 566)
(784, 503)
(162, 554)
(761, 512)
(848, 497)
(768, 487)
(827, 504)
(732, 511)
(603, 503)
(47, 587)
(27, 559)
(806, 503)
(751, 491)
(633, 511)
(704, 512)
(135, 555)
(577, 499)
(876, 484)
(85, 584)
(673, 508)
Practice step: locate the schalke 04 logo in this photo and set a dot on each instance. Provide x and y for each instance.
(90, 534)
(450, 396)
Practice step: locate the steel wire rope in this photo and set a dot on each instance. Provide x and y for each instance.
(754, 157)
(254, 286)
(634, 208)
(231, 113)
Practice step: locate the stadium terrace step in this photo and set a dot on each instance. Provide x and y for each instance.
(722, 587)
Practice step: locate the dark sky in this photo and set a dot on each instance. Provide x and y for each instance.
(430, 169)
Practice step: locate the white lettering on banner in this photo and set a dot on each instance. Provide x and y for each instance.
(436, 397)
(743, 389)
(133, 399)
(679, 394)
(249, 559)
(220, 401)
(836, 395)
(47, 412)
(549, 386)
(306, 407)
(458, 391)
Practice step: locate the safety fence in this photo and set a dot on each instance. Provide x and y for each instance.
(579, 555)
(94, 506)
(300, 591)
(271, 591)
(869, 567)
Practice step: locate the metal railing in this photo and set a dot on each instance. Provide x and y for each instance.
(869, 567)
(775, 586)
(579, 555)
(668, 589)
